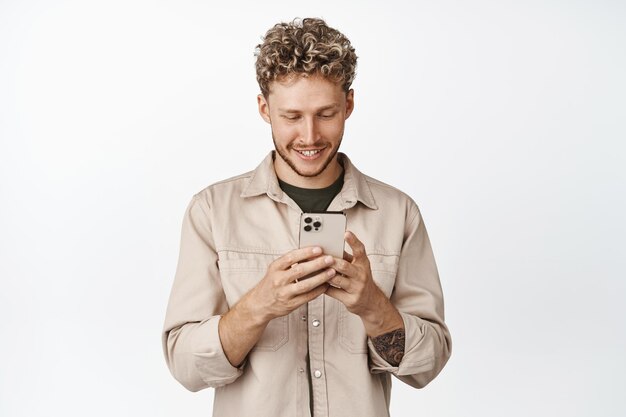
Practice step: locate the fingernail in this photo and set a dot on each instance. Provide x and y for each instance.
(329, 260)
(317, 251)
(331, 272)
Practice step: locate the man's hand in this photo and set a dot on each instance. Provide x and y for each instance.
(281, 290)
(276, 295)
(360, 294)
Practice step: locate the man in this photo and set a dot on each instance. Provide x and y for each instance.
(241, 320)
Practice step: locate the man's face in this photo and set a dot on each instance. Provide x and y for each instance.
(307, 116)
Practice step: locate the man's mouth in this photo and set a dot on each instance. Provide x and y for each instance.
(309, 154)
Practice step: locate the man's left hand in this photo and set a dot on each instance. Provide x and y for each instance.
(360, 294)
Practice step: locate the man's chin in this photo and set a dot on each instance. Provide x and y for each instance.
(308, 172)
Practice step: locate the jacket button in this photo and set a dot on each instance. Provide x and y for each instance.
(317, 373)
(316, 323)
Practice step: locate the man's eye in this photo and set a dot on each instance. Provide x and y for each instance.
(292, 118)
(328, 116)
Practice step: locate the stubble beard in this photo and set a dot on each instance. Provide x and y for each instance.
(293, 166)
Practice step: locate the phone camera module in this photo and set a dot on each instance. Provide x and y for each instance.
(307, 228)
(308, 220)
(317, 224)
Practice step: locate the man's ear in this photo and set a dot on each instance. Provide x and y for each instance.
(349, 102)
(264, 108)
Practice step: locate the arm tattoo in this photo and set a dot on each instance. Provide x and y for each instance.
(390, 346)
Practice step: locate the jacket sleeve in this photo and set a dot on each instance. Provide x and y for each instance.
(418, 296)
(191, 343)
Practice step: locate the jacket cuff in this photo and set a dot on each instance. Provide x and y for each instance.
(212, 364)
(413, 361)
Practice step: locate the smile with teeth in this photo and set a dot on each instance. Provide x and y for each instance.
(309, 152)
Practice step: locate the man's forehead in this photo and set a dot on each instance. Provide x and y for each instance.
(298, 110)
(305, 90)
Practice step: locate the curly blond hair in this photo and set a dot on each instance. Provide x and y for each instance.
(307, 47)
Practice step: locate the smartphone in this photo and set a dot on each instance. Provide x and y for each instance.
(324, 229)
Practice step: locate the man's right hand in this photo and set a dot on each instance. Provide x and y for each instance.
(282, 290)
(279, 293)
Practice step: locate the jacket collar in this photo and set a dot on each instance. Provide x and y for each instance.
(355, 187)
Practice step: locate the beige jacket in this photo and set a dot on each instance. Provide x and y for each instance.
(231, 232)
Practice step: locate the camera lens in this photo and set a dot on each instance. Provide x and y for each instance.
(317, 224)
(307, 228)
(308, 220)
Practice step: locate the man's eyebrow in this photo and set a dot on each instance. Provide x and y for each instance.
(330, 106)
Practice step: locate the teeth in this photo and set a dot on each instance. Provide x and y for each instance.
(309, 153)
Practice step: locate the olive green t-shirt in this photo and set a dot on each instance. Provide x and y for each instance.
(313, 199)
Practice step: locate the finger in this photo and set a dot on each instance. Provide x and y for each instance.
(341, 282)
(308, 284)
(295, 256)
(308, 296)
(347, 256)
(358, 249)
(308, 267)
(345, 268)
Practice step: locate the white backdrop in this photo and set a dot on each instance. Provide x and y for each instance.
(504, 120)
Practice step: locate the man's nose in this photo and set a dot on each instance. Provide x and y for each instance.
(311, 132)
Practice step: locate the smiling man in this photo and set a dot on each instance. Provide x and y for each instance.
(241, 319)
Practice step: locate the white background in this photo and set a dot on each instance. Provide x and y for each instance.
(503, 120)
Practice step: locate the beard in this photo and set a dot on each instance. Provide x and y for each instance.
(284, 155)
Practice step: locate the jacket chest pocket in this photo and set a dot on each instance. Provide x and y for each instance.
(238, 276)
(352, 336)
